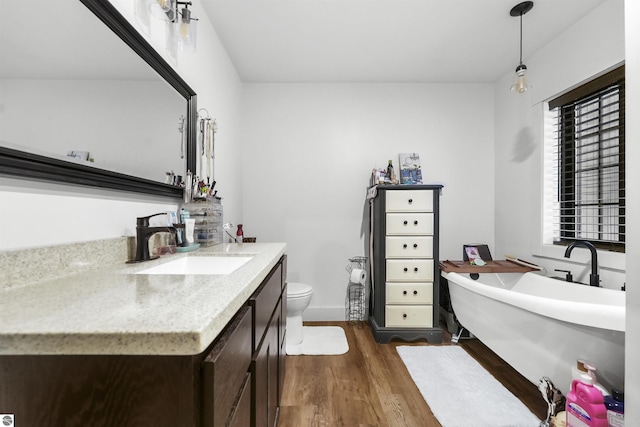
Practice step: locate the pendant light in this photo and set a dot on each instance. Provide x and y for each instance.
(521, 85)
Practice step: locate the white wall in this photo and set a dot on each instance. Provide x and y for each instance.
(519, 139)
(632, 355)
(37, 214)
(517, 212)
(308, 153)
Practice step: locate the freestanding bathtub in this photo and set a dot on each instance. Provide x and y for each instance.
(541, 326)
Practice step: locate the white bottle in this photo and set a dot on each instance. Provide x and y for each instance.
(189, 226)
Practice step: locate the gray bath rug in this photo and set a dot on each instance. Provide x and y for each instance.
(460, 392)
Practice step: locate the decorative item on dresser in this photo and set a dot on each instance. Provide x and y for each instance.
(405, 263)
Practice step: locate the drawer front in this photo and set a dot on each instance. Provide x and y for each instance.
(226, 366)
(409, 247)
(409, 293)
(409, 316)
(264, 301)
(409, 270)
(241, 416)
(409, 223)
(409, 201)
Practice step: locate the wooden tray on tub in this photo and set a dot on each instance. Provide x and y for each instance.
(497, 266)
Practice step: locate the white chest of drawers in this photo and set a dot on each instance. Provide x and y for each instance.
(405, 263)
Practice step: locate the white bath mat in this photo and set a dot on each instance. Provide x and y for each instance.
(460, 392)
(320, 340)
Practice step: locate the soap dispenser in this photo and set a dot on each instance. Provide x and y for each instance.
(585, 404)
(239, 234)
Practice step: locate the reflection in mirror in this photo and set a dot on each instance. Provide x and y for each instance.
(72, 85)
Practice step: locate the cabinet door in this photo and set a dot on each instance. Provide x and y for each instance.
(264, 375)
(282, 344)
(241, 416)
(224, 370)
(264, 301)
(274, 371)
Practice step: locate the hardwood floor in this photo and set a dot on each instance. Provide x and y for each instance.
(370, 386)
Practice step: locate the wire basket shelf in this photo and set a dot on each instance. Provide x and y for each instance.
(355, 306)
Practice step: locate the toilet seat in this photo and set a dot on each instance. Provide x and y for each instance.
(298, 290)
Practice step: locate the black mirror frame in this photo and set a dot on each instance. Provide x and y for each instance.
(34, 166)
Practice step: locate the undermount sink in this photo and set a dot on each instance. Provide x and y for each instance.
(199, 265)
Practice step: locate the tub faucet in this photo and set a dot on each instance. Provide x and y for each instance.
(594, 279)
(144, 233)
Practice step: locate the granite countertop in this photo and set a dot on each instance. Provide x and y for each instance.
(108, 310)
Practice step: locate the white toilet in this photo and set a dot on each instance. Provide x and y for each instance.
(298, 299)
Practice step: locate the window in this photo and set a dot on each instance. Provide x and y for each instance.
(589, 162)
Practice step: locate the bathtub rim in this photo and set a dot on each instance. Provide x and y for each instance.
(610, 317)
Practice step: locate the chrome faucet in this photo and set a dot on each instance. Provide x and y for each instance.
(144, 233)
(594, 279)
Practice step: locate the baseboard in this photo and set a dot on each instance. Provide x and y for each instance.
(322, 314)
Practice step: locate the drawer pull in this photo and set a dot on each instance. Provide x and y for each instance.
(415, 222)
(404, 315)
(405, 222)
(415, 245)
(415, 292)
(404, 292)
(404, 246)
(415, 269)
(406, 269)
(410, 201)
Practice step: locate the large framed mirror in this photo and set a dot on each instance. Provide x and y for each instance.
(86, 100)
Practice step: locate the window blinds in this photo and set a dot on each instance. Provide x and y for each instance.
(589, 165)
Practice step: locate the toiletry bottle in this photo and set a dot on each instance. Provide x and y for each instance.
(391, 176)
(239, 234)
(184, 215)
(188, 187)
(615, 408)
(189, 228)
(585, 404)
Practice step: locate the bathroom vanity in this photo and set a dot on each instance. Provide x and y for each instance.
(118, 347)
(404, 237)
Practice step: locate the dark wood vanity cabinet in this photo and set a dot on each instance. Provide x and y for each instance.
(235, 382)
(267, 366)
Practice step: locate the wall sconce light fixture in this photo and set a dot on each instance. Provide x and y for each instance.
(521, 85)
(186, 31)
(179, 14)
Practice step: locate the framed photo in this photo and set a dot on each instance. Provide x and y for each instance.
(474, 251)
(410, 169)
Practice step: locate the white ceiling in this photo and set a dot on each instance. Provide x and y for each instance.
(384, 40)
